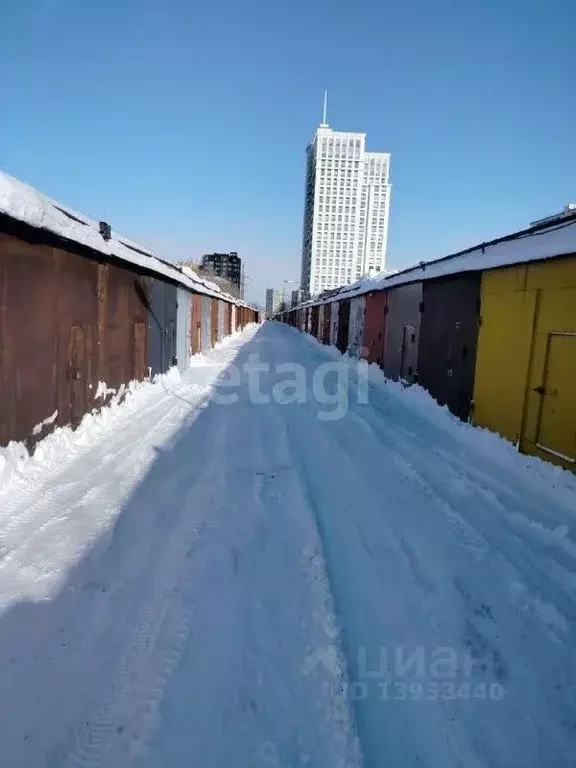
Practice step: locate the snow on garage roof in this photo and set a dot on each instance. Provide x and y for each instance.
(26, 204)
(534, 244)
(543, 241)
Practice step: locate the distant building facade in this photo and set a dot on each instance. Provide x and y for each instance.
(297, 297)
(274, 301)
(225, 265)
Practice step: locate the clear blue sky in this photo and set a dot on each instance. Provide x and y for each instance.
(184, 122)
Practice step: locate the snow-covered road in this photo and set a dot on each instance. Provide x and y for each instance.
(187, 582)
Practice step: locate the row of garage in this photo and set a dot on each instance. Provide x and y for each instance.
(490, 332)
(83, 314)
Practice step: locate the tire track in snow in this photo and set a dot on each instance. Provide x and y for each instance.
(60, 494)
(127, 716)
(260, 615)
(324, 663)
(333, 656)
(66, 665)
(458, 494)
(500, 549)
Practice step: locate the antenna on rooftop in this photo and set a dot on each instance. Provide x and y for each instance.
(324, 123)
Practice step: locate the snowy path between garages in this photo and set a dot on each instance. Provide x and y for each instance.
(198, 584)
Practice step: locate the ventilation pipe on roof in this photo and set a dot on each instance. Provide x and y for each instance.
(105, 230)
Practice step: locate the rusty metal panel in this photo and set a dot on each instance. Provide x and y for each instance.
(403, 332)
(343, 324)
(375, 326)
(213, 322)
(76, 293)
(78, 371)
(448, 338)
(137, 288)
(28, 368)
(234, 317)
(122, 333)
(184, 314)
(196, 324)
(206, 323)
(93, 322)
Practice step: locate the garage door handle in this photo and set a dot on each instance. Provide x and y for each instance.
(540, 390)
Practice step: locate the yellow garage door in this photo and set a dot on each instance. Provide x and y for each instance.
(557, 422)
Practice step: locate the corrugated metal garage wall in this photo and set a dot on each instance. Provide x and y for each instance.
(448, 336)
(27, 302)
(526, 361)
(123, 322)
(213, 322)
(70, 319)
(343, 324)
(314, 317)
(196, 324)
(162, 326)
(402, 332)
(66, 322)
(74, 286)
(228, 318)
(375, 326)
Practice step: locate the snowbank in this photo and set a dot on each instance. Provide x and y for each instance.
(490, 444)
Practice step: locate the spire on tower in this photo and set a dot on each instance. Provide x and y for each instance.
(324, 123)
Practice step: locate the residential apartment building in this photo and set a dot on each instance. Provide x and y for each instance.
(346, 211)
(225, 265)
(274, 300)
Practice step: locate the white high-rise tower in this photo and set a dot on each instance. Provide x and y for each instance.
(346, 209)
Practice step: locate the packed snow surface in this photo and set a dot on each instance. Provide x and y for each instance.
(197, 577)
